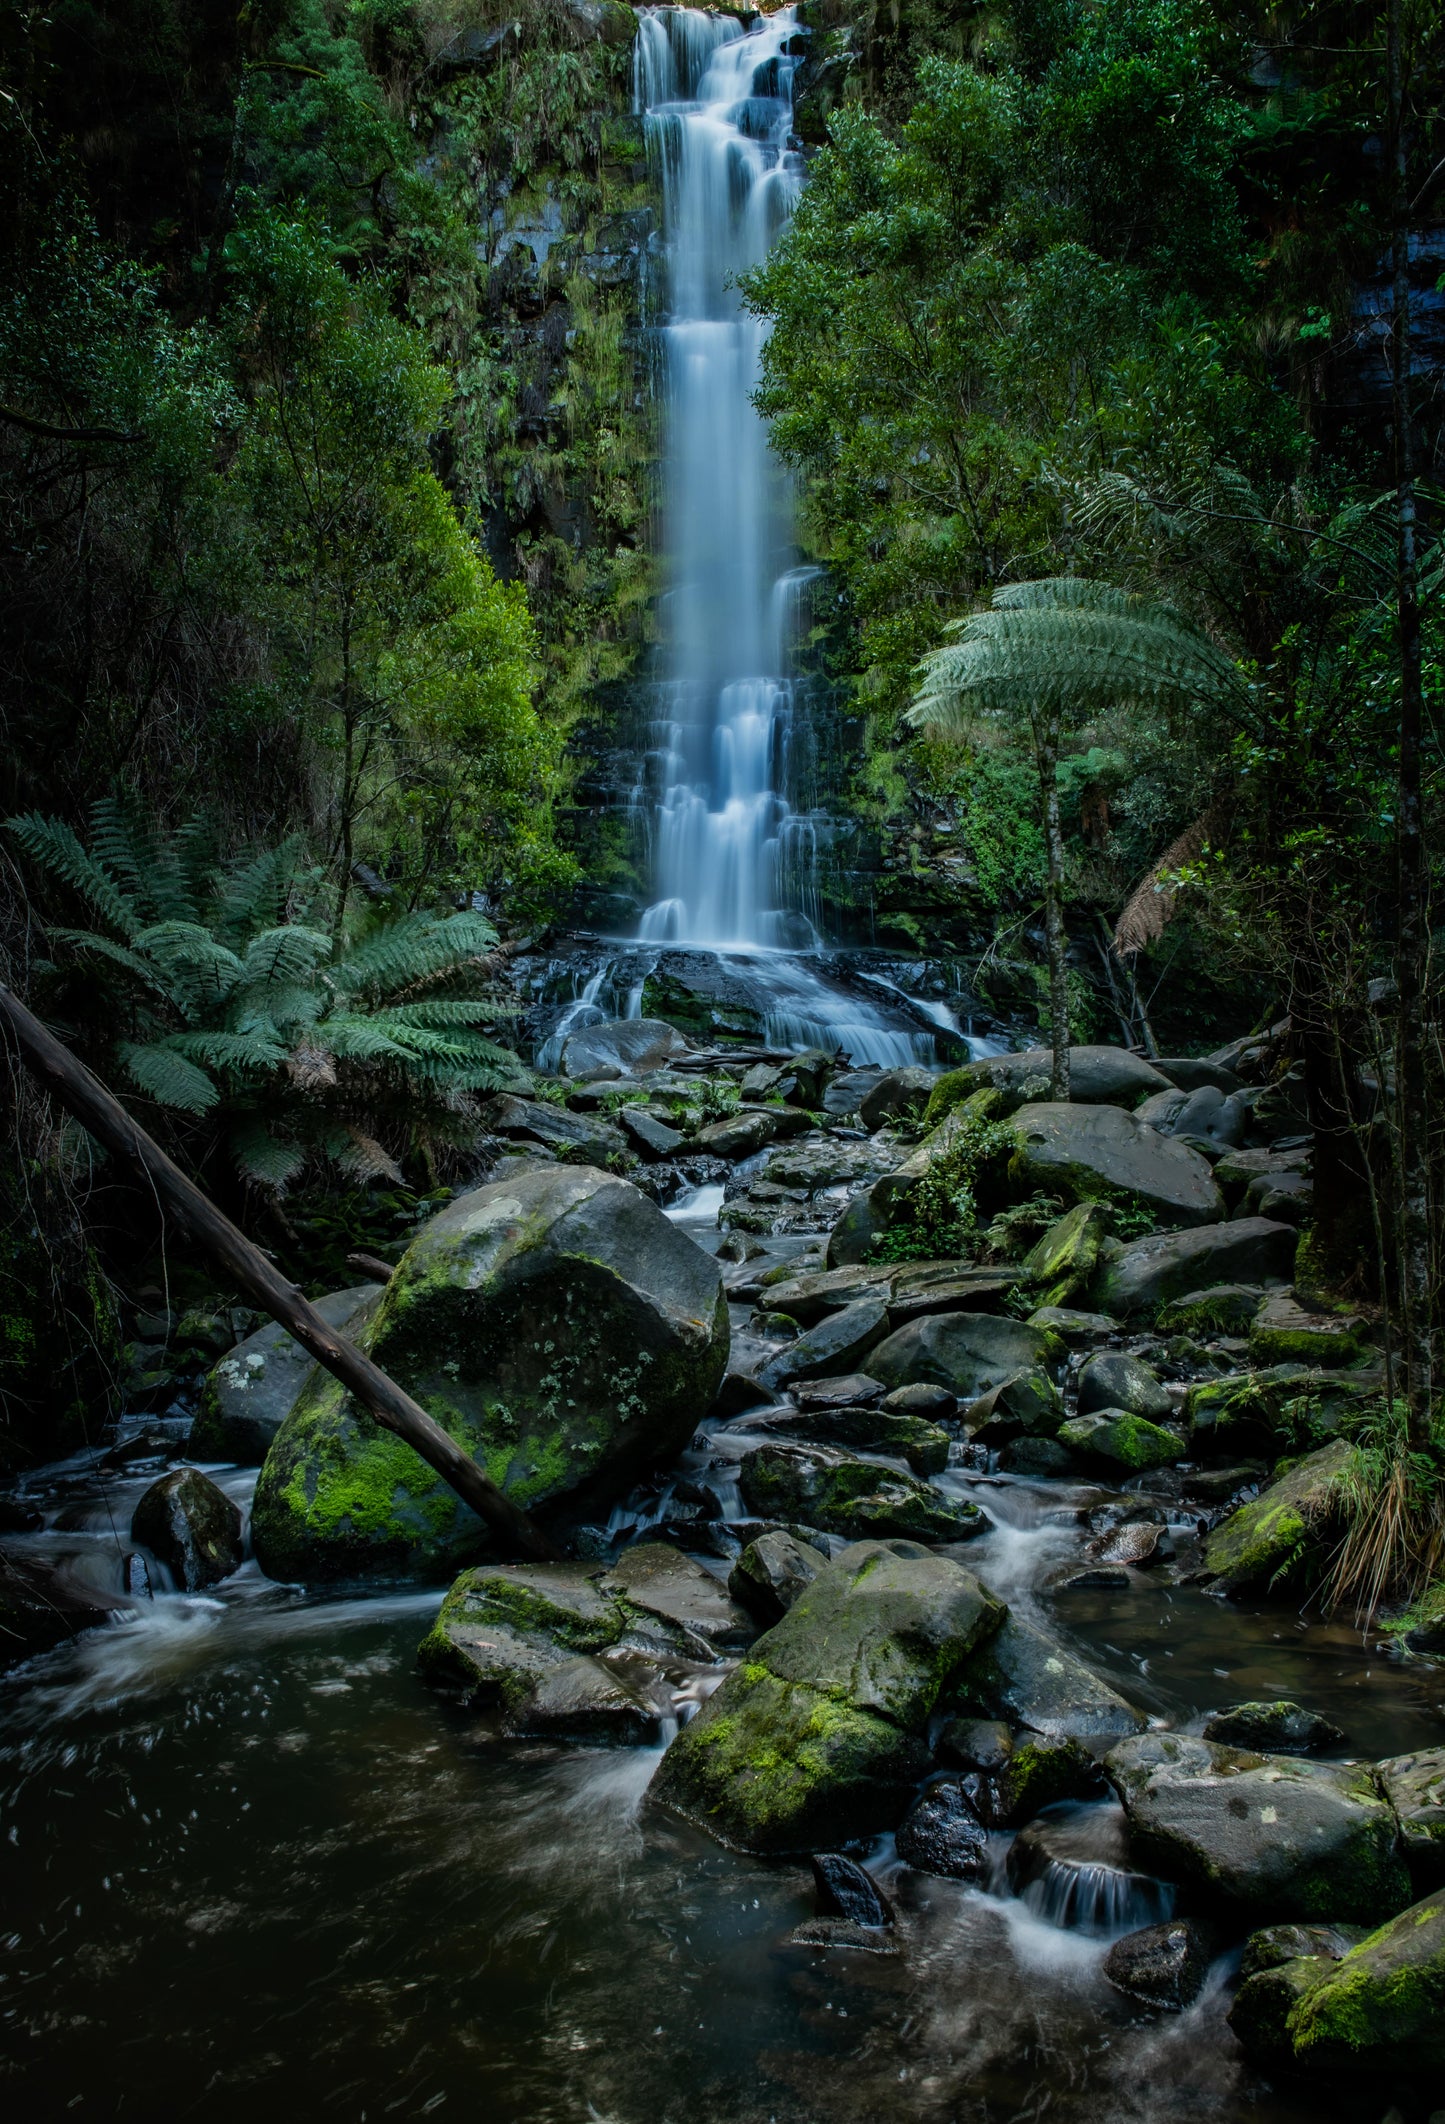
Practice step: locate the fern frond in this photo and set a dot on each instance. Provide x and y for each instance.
(266, 1160)
(283, 954)
(356, 1039)
(168, 1076)
(1149, 909)
(244, 1052)
(106, 948)
(363, 1157)
(454, 1010)
(251, 894)
(187, 947)
(413, 949)
(51, 844)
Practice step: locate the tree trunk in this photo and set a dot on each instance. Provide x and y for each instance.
(1058, 941)
(1412, 1118)
(107, 1120)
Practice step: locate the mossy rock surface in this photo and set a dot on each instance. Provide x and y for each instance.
(818, 1736)
(1265, 1833)
(1381, 2009)
(965, 1352)
(1029, 1678)
(1101, 1154)
(1114, 1438)
(1064, 1260)
(555, 1324)
(841, 1495)
(252, 1390)
(1274, 1535)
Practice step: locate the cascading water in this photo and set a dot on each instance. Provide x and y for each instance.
(731, 861)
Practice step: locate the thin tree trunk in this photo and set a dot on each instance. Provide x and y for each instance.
(107, 1120)
(1412, 1118)
(1058, 941)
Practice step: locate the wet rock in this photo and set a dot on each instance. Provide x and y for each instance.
(1415, 1787)
(949, 1289)
(1189, 1072)
(191, 1526)
(1100, 1578)
(1263, 1832)
(1151, 1271)
(621, 1047)
(1028, 1677)
(1065, 1259)
(836, 1342)
(1221, 1308)
(844, 1890)
(652, 1137)
(771, 1573)
(250, 1393)
(1271, 1535)
(1113, 1438)
(1279, 1728)
(1075, 1329)
(1380, 2010)
(974, 1743)
(1241, 1168)
(1260, 2013)
(1035, 1457)
(1097, 1075)
(854, 1390)
(556, 1324)
(590, 1704)
(1283, 1332)
(1074, 1867)
(136, 1577)
(1029, 1405)
(575, 1139)
(145, 1445)
(1038, 1771)
(897, 1091)
(817, 1737)
(1162, 1965)
(682, 1595)
(923, 1445)
(1214, 1486)
(740, 1135)
(1088, 1151)
(1115, 1380)
(1278, 1944)
(41, 1607)
(855, 1498)
(811, 1295)
(1137, 1543)
(965, 1353)
(827, 1932)
(934, 1403)
(941, 1834)
(848, 1089)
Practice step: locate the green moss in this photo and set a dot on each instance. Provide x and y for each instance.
(1124, 1441)
(1383, 2005)
(1275, 1537)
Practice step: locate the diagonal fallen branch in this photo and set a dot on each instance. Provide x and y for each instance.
(84, 1096)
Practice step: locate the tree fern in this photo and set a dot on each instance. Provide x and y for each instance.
(52, 845)
(168, 1076)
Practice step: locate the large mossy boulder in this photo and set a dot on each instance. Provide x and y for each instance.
(1064, 1260)
(1266, 1833)
(1149, 1272)
(1381, 2008)
(818, 1737)
(1272, 1537)
(254, 1388)
(965, 1352)
(1099, 1153)
(556, 1324)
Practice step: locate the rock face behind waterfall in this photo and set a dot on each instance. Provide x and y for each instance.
(556, 1324)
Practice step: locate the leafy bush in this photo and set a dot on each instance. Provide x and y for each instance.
(945, 1207)
(226, 996)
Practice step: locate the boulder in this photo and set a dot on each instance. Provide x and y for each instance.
(1115, 1380)
(621, 1047)
(1189, 1072)
(690, 1604)
(848, 1089)
(838, 1341)
(1162, 1965)
(594, 1703)
(1165, 1265)
(1266, 1539)
(41, 1607)
(1113, 1438)
(740, 1135)
(1221, 1309)
(1279, 1728)
(845, 1890)
(974, 1743)
(1029, 1678)
(1415, 1787)
(855, 1498)
(849, 1390)
(1208, 1119)
(1037, 1771)
(941, 1834)
(250, 1393)
(817, 1737)
(1380, 2010)
(1028, 1405)
(575, 1139)
(649, 1135)
(1099, 1153)
(1065, 1259)
(897, 1091)
(771, 1572)
(811, 1297)
(934, 1403)
(1284, 1332)
(191, 1527)
(966, 1353)
(1076, 1330)
(949, 1289)
(923, 1445)
(556, 1324)
(1261, 1832)
(1098, 1076)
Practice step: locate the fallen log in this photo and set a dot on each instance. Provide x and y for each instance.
(84, 1096)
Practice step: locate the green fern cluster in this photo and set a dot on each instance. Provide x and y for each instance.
(226, 999)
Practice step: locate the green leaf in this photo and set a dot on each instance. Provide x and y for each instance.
(168, 1076)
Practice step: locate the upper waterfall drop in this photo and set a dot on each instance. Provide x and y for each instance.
(732, 863)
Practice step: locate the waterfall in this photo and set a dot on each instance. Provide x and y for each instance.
(732, 863)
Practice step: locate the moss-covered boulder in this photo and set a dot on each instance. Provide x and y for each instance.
(1097, 1076)
(1415, 1787)
(1028, 1405)
(923, 1445)
(1116, 1439)
(856, 1498)
(818, 1736)
(1116, 1380)
(1064, 1260)
(556, 1324)
(1380, 2009)
(1274, 1536)
(1265, 1833)
(1283, 1332)
(1221, 1309)
(1101, 1154)
(1038, 1770)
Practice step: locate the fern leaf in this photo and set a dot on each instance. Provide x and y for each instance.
(363, 1157)
(268, 1161)
(414, 949)
(246, 1053)
(106, 948)
(168, 1076)
(311, 1068)
(454, 1010)
(53, 846)
(286, 953)
(1150, 907)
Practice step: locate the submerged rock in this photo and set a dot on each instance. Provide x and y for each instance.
(1090, 1152)
(191, 1526)
(1263, 1832)
(556, 1324)
(1279, 1728)
(856, 1498)
(1161, 1965)
(818, 1736)
(250, 1393)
